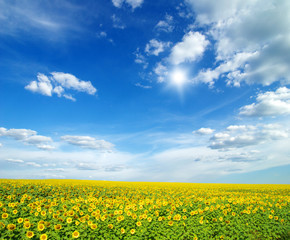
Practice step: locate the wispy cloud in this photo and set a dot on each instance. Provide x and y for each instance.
(48, 20)
(117, 22)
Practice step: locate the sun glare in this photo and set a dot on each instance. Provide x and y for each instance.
(178, 78)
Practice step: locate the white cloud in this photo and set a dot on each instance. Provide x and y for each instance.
(33, 164)
(190, 49)
(161, 71)
(117, 23)
(202, 164)
(239, 136)
(18, 134)
(165, 25)
(133, 3)
(29, 137)
(58, 90)
(269, 104)
(140, 59)
(154, 47)
(88, 142)
(55, 169)
(240, 127)
(231, 67)
(36, 139)
(117, 3)
(143, 86)
(69, 81)
(21, 162)
(42, 85)
(102, 34)
(109, 165)
(14, 160)
(238, 28)
(58, 83)
(204, 131)
(69, 96)
(186, 161)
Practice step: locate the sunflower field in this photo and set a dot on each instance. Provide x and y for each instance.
(77, 209)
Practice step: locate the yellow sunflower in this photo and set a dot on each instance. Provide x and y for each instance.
(75, 234)
(29, 234)
(43, 237)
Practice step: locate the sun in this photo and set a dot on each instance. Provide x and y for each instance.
(178, 78)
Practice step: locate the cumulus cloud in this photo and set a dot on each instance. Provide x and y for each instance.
(204, 131)
(133, 3)
(42, 85)
(58, 83)
(154, 47)
(239, 31)
(271, 103)
(28, 136)
(230, 68)
(165, 25)
(189, 49)
(239, 136)
(88, 142)
(69, 81)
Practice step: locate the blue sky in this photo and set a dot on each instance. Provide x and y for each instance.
(138, 90)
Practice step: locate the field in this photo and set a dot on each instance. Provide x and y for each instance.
(68, 209)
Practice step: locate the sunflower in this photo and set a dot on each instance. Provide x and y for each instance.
(40, 227)
(27, 225)
(69, 220)
(20, 220)
(43, 237)
(123, 230)
(94, 226)
(57, 227)
(11, 227)
(132, 231)
(110, 226)
(75, 234)
(139, 224)
(29, 234)
(5, 215)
